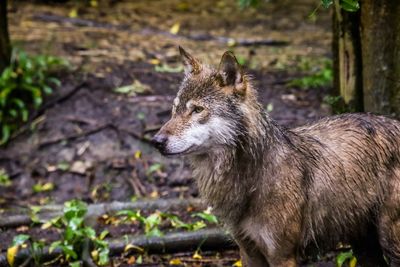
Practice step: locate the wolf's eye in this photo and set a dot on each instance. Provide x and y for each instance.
(197, 109)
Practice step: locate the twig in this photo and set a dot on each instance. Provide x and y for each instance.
(74, 136)
(62, 98)
(50, 211)
(209, 239)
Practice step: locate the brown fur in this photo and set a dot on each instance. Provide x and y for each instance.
(281, 190)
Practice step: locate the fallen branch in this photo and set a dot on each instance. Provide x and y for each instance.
(50, 211)
(89, 132)
(208, 239)
(151, 31)
(75, 136)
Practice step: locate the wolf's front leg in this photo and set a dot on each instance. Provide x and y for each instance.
(250, 255)
(253, 258)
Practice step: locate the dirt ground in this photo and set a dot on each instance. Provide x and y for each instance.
(92, 143)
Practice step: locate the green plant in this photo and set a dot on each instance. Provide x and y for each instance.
(207, 216)
(75, 233)
(346, 256)
(337, 104)
(4, 178)
(22, 241)
(23, 85)
(176, 222)
(150, 222)
(321, 76)
(348, 5)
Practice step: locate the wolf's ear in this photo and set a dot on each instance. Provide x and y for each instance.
(231, 73)
(190, 64)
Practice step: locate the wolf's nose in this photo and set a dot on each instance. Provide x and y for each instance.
(159, 141)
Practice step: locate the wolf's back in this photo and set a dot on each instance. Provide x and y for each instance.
(352, 171)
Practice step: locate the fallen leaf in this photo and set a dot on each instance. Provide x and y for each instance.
(95, 255)
(131, 246)
(135, 88)
(154, 61)
(138, 154)
(131, 260)
(238, 264)
(197, 256)
(154, 194)
(73, 13)
(175, 262)
(175, 28)
(80, 167)
(11, 253)
(353, 262)
(23, 228)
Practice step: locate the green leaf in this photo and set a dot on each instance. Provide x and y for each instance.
(55, 81)
(169, 69)
(103, 234)
(69, 251)
(350, 5)
(20, 239)
(211, 218)
(327, 3)
(5, 134)
(90, 232)
(342, 257)
(104, 256)
(47, 90)
(153, 168)
(54, 245)
(155, 232)
(75, 264)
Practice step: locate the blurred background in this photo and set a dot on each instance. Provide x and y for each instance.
(87, 84)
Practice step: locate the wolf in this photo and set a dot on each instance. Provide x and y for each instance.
(281, 191)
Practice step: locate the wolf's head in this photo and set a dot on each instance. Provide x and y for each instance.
(211, 109)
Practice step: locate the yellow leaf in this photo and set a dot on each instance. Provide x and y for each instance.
(48, 186)
(11, 253)
(197, 256)
(353, 262)
(73, 13)
(46, 225)
(93, 3)
(131, 260)
(154, 61)
(175, 28)
(175, 262)
(130, 246)
(154, 194)
(138, 154)
(231, 42)
(95, 255)
(238, 264)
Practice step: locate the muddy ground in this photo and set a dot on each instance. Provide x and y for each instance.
(92, 143)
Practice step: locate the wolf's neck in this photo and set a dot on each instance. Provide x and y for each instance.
(228, 176)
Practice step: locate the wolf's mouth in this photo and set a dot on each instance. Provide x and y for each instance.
(184, 152)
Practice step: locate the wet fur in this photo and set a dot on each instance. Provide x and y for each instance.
(281, 190)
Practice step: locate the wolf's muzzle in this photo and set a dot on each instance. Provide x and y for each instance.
(160, 142)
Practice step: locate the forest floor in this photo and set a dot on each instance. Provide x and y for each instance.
(90, 142)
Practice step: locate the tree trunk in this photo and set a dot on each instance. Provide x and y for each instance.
(380, 39)
(347, 57)
(5, 48)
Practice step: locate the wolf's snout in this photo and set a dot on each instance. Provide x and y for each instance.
(160, 142)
